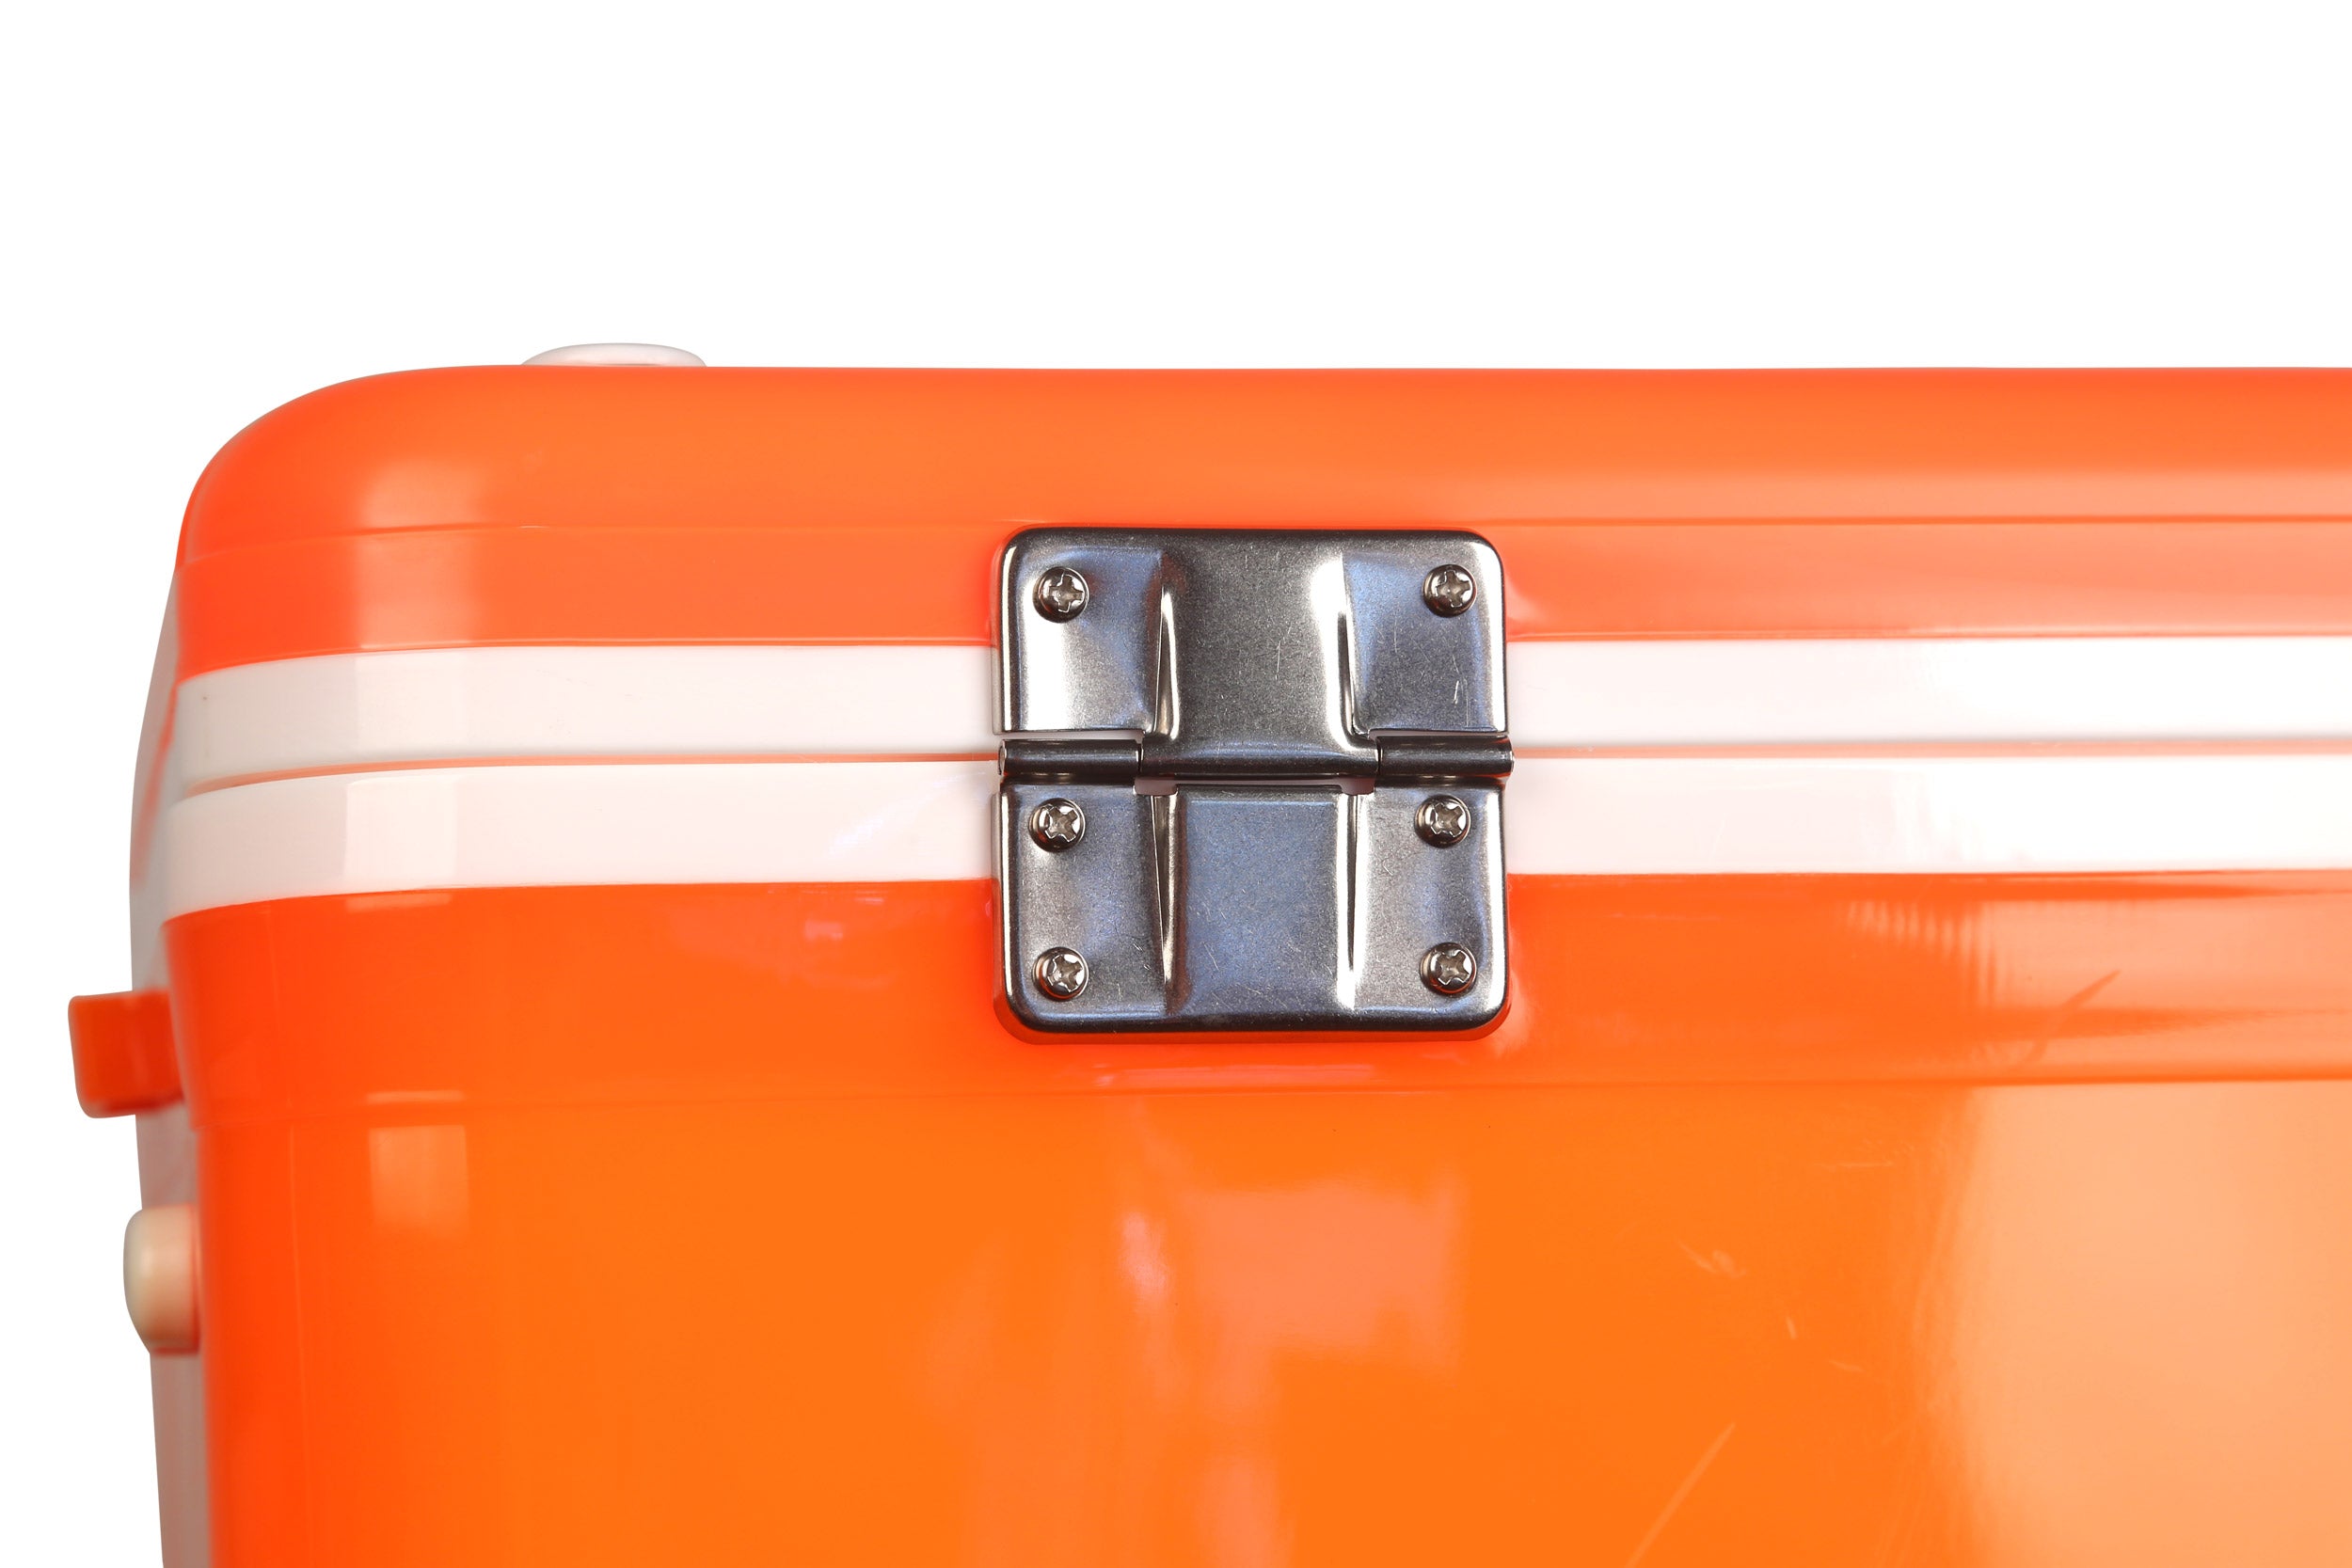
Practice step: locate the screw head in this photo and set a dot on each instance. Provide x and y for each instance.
(1449, 968)
(1058, 824)
(1060, 594)
(1060, 973)
(1449, 590)
(1443, 821)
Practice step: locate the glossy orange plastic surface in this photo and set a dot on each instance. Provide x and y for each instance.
(124, 1059)
(1714, 1325)
(1988, 1222)
(729, 1225)
(612, 996)
(535, 504)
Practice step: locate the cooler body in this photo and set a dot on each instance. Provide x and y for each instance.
(1915, 1128)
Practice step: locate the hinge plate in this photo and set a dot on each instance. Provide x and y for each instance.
(1248, 724)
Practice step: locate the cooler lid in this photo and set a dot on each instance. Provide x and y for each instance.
(629, 504)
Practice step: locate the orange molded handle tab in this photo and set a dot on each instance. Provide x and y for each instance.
(123, 1055)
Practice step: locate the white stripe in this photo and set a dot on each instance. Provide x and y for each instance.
(359, 710)
(878, 822)
(446, 704)
(1670, 815)
(1893, 691)
(556, 825)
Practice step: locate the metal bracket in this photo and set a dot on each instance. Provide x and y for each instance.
(1252, 779)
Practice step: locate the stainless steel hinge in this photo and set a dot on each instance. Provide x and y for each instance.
(1252, 779)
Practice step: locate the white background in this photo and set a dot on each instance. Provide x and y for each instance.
(210, 209)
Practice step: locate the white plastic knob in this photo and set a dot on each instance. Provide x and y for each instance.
(615, 354)
(159, 1276)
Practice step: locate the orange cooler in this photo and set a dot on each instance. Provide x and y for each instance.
(1067, 970)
